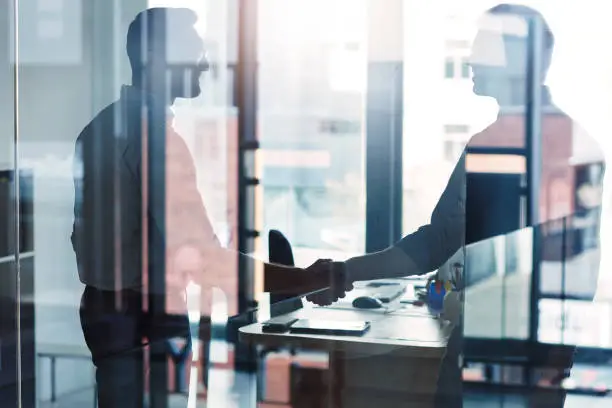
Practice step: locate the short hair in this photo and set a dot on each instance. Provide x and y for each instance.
(148, 29)
(527, 13)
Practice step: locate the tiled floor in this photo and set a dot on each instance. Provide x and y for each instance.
(227, 390)
(231, 390)
(83, 399)
(229, 400)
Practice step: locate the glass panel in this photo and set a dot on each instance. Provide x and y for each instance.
(125, 219)
(94, 301)
(311, 119)
(9, 295)
(465, 68)
(449, 68)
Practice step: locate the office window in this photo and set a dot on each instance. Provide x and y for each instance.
(346, 74)
(449, 68)
(453, 149)
(458, 44)
(315, 196)
(449, 146)
(341, 127)
(465, 69)
(454, 129)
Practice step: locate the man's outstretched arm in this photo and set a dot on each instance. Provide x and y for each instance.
(190, 237)
(427, 248)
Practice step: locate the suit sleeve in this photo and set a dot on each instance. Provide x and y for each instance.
(429, 247)
(433, 244)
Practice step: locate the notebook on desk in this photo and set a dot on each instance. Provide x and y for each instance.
(337, 328)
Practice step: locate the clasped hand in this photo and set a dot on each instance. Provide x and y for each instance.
(330, 282)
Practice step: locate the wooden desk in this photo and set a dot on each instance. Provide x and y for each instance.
(395, 364)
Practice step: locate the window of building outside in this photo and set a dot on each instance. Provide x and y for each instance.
(452, 129)
(456, 137)
(340, 127)
(465, 69)
(453, 149)
(449, 68)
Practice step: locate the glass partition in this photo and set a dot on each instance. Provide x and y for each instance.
(9, 258)
(172, 171)
(311, 118)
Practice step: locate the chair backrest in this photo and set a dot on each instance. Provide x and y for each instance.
(280, 252)
(493, 205)
(279, 249)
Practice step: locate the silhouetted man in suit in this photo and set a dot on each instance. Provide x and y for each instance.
(141, 231)
(466, 212)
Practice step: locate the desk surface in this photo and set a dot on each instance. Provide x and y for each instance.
(402, 331)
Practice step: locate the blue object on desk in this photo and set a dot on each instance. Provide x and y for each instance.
(435, 297)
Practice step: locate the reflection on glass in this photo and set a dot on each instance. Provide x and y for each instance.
(466, 87)
(311, 116)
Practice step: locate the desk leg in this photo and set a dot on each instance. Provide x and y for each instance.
(313, 386)
(336, 379)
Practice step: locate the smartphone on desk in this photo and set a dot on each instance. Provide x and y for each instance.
(279, 324)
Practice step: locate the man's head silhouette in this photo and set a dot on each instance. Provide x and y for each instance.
(499, 52)
(166, 53)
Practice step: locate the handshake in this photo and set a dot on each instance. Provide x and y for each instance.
(328, 281)
(323, 282)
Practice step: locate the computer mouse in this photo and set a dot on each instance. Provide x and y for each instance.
(367, 302)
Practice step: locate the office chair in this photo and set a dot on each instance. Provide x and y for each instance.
(279, 249)
(305, 381)
(280, 252)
